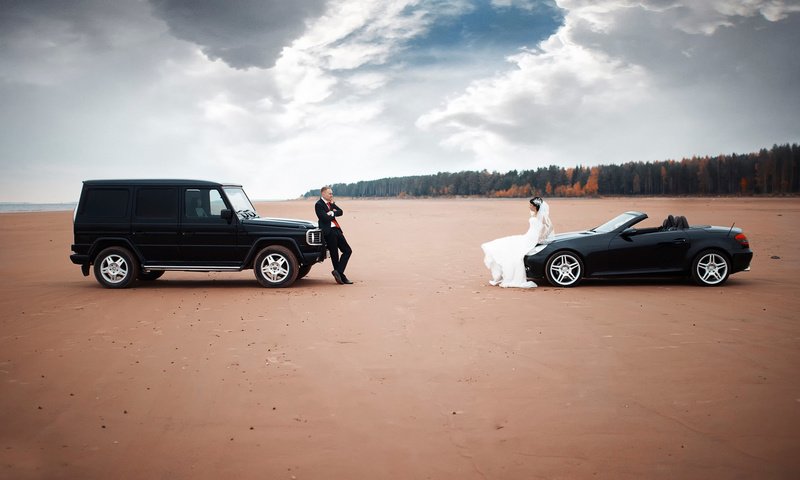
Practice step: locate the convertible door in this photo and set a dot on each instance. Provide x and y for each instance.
(647, 252)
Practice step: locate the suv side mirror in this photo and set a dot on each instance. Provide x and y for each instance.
(226, 214)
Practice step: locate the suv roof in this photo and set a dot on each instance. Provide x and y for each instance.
(160, 181)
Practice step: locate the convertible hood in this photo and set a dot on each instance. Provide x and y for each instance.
(569, 235)
(279, 222)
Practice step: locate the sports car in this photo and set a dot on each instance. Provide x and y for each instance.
(617, 248)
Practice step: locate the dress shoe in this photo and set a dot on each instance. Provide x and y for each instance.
(346, 280)
(337, 276)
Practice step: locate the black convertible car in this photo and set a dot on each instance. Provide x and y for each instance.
(618, 249)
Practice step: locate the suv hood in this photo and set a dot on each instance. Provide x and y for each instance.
(279, 222)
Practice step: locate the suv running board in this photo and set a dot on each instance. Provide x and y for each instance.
(191, 268)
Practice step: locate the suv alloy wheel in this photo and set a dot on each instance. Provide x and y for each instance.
(115, 267)
(275, 266)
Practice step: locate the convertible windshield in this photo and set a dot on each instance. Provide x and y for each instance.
(241, 204)
(614, 223)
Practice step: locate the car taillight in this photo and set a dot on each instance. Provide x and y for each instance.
(742, 239)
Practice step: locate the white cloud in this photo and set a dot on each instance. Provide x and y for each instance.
(358, 89)
(548, 96)
(694, 17)
(631, 80)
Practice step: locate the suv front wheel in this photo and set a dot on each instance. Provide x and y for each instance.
(275, 266)
(115, 267)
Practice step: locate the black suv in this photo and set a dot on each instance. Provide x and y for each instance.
(138, 229)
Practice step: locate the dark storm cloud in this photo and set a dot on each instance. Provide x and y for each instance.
(95, 23)
(749, 48)
(242, 33)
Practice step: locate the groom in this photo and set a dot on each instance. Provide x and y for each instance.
(327, 211)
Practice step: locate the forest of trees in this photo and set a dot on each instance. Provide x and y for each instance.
(774, 171)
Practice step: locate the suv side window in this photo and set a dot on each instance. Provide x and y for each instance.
(203, 205)
(105, 203)
(157, 203)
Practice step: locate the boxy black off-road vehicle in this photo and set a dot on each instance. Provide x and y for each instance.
(138, 229)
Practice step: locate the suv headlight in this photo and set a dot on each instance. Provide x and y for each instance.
(314, 236)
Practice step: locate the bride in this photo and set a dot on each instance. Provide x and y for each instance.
(504, 256)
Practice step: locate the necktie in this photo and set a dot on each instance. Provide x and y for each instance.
(333, 219)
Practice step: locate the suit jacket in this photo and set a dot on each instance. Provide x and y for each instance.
(325, 220)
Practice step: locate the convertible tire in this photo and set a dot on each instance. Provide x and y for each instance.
(564, 269)
(150, 275)
(710, 268)
(115, 267)
(276, 267)
(303, 271)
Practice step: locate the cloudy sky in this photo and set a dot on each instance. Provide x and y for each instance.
(284, 96)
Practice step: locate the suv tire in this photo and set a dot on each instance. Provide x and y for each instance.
(275, 267)
(115, 267)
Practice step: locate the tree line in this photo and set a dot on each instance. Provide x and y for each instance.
(774, 171)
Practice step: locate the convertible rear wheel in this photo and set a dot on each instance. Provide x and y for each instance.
(710, 268)
(564, 269)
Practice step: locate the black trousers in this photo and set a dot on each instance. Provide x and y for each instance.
(335, 242)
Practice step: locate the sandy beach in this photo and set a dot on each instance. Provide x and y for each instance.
(420, 370)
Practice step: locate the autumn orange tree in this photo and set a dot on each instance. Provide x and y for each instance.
(774, 171)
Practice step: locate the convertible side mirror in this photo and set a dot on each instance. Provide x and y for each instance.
(628, 232)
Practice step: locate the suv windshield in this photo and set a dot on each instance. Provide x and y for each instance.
(241, 204)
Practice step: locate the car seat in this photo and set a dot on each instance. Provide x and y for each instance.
(681, 222)
(668, 224)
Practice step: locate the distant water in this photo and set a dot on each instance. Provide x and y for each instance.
(35, 207)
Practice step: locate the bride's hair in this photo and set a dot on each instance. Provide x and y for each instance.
(537, 202)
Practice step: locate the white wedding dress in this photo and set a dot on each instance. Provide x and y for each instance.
(504, 257)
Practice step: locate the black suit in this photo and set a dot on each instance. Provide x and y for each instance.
(334, 238)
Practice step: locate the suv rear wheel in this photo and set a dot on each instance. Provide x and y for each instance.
(115, 267)
(275, 266)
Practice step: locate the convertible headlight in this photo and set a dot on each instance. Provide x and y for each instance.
(536, 249)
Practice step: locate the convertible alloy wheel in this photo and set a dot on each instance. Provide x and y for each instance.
(276, 267)
(710, 269)
(115, 268)
(564, 269)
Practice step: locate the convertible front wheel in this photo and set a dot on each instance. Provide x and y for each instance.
(710, 268)
(564, 269)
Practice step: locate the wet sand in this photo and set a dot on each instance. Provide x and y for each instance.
(418, 370)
